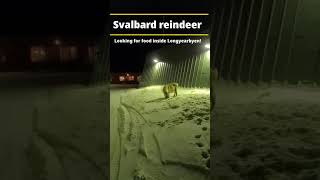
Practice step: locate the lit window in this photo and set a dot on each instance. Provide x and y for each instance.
(121, 78)
(131, 78)
(37, 54)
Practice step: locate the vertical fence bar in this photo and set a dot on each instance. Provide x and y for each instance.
(196, 71)
(185, 81)
(279, 41)
(155, 74)
(151, 75)
(174, 71)
(179, 73)
(234, 48)
(245, 40)
(156, 67)
(193, 72)
(188, 72)
(147, 75)
(167, 74)
(176, 75)
(170, 72)
(161, 73)
(184, 73)
(203, 72)
(227, 38)
(219, 34)
(143, 75)
(200, 71)
(254, 50)
(266, 45)
(292, 40)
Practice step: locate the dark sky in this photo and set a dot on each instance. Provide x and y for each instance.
(194, 6)
(132, 57)
(37, 18)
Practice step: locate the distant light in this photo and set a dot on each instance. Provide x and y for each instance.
(121, 78)
(155, 60)
(57, 42)
(207, 46)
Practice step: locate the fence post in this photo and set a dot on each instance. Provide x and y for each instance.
(279, 41)
(292, 40)
(188, 71)
(219, 34)
(245, 40)
(267, 40)
(193, 72)
(227, 37)
(178, 73)
(256, 40)
(236, 39)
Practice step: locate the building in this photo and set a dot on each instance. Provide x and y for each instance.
(30, 53)
(125, 78)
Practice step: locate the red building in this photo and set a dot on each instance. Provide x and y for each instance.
(24, 53)
(125, 78)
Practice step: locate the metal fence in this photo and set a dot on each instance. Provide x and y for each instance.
(187, 65)
(267, 40)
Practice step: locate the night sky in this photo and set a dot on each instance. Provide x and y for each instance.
(42, 18)
(131, 58)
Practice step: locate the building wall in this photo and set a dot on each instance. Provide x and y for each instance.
(267, 40)
(22, 51)
(187, 65)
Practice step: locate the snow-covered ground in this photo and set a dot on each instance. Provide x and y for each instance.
(266, 133)
(153, 138)
(54, 133)
(269, 133)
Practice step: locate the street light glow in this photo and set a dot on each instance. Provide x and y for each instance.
(207, 46)
(155, 60)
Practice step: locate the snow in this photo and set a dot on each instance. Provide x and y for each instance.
(54, 133)
(159, 138)
(269, 133)
(259, 132)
